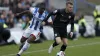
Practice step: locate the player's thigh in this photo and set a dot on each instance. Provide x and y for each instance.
(58, 40)
(65, 41)
(63, 35)
(27, 33)
(57, 35)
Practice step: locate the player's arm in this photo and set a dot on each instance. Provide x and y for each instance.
(27, 12)
(72, 26)
(72, 23)
(50, 14)
(23, 13)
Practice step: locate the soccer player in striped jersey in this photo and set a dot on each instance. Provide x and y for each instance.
(33, 31)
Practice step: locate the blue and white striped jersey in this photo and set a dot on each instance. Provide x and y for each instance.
(37, 18)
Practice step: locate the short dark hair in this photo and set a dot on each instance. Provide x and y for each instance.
(69, 2)
(42, 6)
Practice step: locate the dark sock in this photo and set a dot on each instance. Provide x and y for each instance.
(55, 44)
(21, 46)
(63, 47)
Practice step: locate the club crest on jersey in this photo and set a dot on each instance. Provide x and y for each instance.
(69, 17)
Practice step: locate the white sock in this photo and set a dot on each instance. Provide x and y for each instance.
(25, 47)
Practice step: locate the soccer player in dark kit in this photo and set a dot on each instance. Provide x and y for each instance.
(62, 19)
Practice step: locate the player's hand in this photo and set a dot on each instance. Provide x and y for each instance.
(43, 23)
(71, 34)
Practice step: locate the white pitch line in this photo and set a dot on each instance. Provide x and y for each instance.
(47, 49)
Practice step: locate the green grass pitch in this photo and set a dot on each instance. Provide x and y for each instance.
(80, 47)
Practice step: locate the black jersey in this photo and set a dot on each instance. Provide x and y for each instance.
(62, 19)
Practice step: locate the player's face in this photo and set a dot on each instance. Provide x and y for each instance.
(41, 10)
(69, 8)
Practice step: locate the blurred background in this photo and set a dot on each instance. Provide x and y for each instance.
(87, 15)
(87, 19)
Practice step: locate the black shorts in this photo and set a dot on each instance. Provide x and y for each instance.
(60, 32)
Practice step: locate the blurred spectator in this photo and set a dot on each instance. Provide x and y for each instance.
(97, 24)
(5, 3)
(1, 30)
(75, 32)
(4, 34)
(29, 2)
(27, 6)
(95, 13)
(15, 6)
(20, 8)
(26, 23)
(82, 25)
(10, 20)
(4, 13)
(2, 19)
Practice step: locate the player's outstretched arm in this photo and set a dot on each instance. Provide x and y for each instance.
(24, 12)
(45, 20)
(50, 14)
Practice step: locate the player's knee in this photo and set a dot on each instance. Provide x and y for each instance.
(31, 38)
(65, 41)
(58, 41)
(23, 39)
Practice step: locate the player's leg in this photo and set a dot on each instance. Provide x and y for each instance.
(63, 35)
(24, 48)
(23, 39)
(28, 41)
(65, 43)
(63, 47)
(32, 37)
(26, 35)
(26, 44)
(57, 40)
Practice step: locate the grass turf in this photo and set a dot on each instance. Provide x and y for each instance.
(80, 47)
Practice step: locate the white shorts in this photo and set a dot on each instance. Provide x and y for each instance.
(28, 32)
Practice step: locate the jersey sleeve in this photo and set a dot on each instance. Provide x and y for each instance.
(55, 12)
(50, 14)
(50, 19)
(32, 10)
